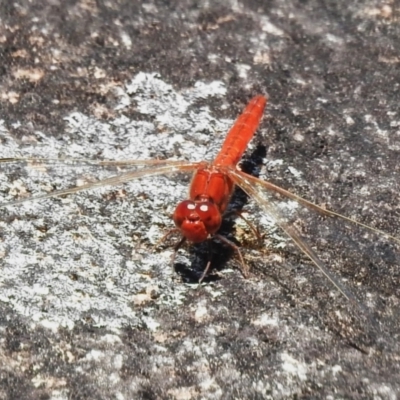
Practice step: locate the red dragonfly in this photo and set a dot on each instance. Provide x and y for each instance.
(200, 217)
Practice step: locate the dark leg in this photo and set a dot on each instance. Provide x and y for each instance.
(244, 267)
(170, 232)
(255, 230)
(208, 263)
(176, 248)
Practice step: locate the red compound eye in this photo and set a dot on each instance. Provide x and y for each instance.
(197, 220)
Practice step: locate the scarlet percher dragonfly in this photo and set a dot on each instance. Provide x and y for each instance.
(200, 217)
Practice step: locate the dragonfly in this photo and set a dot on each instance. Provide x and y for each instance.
(199, 217)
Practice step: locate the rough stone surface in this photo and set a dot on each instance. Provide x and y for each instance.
(90, 308)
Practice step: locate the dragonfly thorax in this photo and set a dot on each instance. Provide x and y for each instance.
(197, 219)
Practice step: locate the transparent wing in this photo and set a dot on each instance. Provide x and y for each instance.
(148, 168)
(271, 187)
(104, 237)
(79, 162)
(361, 253)
(251, 186)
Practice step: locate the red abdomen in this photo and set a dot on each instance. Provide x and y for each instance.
(241, 133)
(211, 188)
(212, 182)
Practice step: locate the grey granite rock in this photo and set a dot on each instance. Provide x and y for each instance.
(90, 308)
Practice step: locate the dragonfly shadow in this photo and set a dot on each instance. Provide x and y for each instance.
(214, 250)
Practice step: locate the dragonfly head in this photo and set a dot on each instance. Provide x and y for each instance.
(197, 219)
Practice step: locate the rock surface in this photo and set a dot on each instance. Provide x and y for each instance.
(89, 308)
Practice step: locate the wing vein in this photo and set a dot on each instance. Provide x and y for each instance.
(182, 166)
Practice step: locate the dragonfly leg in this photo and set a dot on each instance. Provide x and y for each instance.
(170, 232)
(244, 267)
(206, 269)
(204, 272)
(253, 228)
(176, 247)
